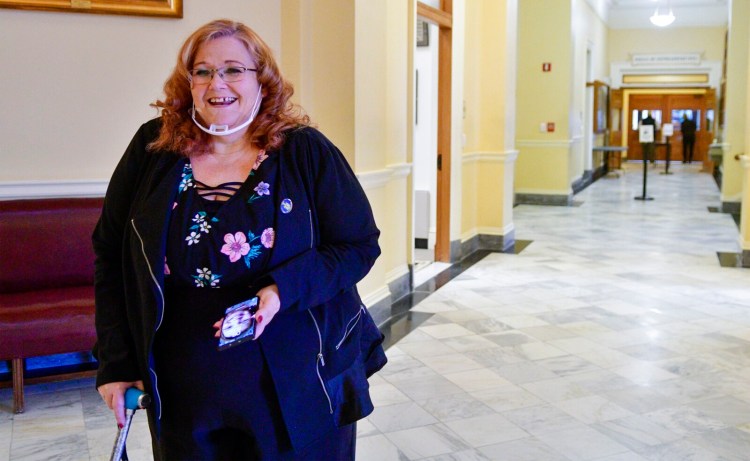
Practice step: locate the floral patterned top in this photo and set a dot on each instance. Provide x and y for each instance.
(214, 243)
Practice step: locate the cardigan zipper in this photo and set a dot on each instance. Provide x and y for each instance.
(321, 361)
(350, 326)
(161, 317)
(312, 235)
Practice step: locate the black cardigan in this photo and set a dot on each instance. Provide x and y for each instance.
(323, 343)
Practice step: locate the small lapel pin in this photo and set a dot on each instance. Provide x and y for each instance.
(286, 205)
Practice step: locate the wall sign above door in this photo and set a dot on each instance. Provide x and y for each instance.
(674, 59)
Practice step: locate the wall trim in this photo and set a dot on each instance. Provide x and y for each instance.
(374, 179)
(488, 242)
(379, 178)
(619, 69)
(400, 281)
(544, 191)
(10, 190)
(400, 170)
(507, 156)
(731, 207)
(376, 296)
(544, 199)
(397, 272)
(487, 230)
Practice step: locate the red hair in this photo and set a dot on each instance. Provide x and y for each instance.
(277, 113)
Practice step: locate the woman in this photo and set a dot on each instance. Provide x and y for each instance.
(228, 195)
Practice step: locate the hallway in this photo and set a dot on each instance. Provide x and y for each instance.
(614, 336)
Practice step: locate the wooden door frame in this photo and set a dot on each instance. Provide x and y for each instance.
(708, 93)
(443, 18)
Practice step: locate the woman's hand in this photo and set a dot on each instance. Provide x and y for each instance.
(114, 396)
(269, 304)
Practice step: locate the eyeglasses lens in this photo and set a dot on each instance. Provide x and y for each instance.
(228, 74)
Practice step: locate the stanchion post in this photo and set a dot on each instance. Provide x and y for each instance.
(645, 173)
(669, 157)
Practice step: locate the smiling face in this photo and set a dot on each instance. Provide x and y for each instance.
(218, 102)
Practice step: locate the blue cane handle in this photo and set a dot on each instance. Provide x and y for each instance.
(136, 399)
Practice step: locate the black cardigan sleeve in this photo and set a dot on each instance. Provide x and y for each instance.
(346, 237)
(115, 349)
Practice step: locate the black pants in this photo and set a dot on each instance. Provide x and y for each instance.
(649, 152)
(687, 149)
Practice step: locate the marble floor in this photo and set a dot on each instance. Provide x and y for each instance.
(614, 335)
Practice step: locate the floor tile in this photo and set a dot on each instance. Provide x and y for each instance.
(484, 430)
(426, 441)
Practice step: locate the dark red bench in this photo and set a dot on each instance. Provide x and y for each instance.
(46, 280)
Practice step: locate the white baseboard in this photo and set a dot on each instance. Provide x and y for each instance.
(10, 190)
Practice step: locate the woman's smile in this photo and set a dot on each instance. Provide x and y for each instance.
(225, 101)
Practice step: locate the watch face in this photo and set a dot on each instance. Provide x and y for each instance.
(239, 324)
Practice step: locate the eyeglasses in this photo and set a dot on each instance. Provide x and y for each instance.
(228, 74)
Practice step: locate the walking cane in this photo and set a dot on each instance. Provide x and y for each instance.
(134, 399)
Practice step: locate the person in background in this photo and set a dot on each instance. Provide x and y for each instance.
(231, 193)
(687, 128)
(649, 148)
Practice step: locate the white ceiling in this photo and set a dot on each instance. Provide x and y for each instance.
(634, 14)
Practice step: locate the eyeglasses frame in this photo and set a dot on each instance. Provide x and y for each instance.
(221, 72)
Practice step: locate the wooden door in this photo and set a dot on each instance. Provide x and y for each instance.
(670, 108)
(692, 106)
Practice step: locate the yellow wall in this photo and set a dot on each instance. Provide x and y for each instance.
(744, 237)
(319, 43)
(544, 35)
(560, 33)
(542, 168)
(489, 70)
(72, 117)
(485, 75)
(350, 62)
(736, 102)
(709, 41)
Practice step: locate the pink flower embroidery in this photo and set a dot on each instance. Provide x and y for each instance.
(236, 246)
(267, 237)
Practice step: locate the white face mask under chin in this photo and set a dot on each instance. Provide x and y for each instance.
(224, 130)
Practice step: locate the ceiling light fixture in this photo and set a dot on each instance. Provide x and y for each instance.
(662, 20)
